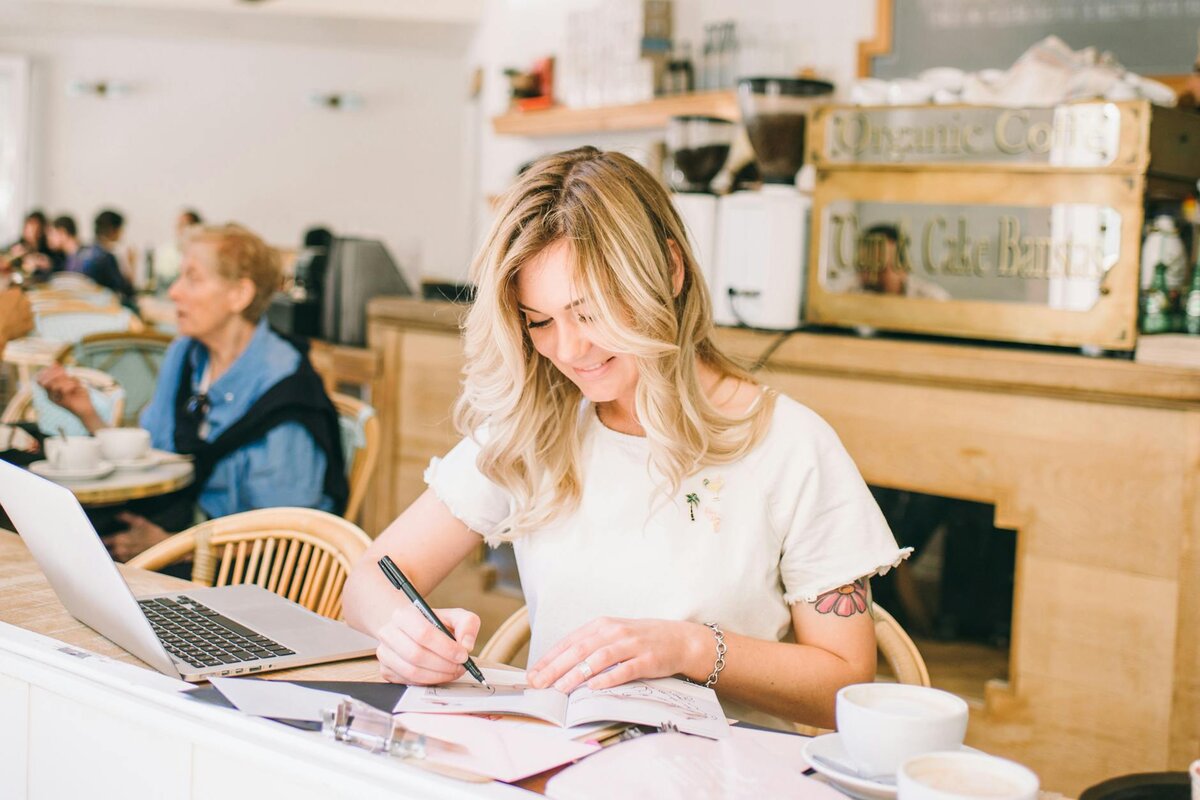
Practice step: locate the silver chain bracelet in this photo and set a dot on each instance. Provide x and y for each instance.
(721, 650)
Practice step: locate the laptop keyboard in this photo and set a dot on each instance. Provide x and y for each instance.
(197, 635)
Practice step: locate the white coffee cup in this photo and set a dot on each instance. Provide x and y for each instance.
(74, 452)
(964, 776)
(123, 444)
(882, 725)
(1194, 773)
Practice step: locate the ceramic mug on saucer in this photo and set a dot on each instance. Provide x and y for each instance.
(882, 725)
(123, 444)
(964, 776)
(72, 453)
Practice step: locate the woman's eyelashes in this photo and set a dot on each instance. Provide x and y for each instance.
(541, 323)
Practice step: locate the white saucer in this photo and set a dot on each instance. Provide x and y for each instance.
(44, 469)
(830, 747)
(134, 464)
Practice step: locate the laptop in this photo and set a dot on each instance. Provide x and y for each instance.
(192, 634)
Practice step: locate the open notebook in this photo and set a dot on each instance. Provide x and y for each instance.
(662, 702)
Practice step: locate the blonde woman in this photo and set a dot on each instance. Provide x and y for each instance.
(661, 503)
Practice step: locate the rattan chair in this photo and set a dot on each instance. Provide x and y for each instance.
(70, 321)
(133, 359)
(298, 553)
(359, 427)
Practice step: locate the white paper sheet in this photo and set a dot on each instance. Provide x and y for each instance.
(673, 766)
(504, 750)
(276, 699)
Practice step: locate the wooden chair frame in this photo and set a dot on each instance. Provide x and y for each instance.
(299, 553)
(360, 470)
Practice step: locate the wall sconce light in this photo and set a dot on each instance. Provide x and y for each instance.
(336, 101)
(100, 89)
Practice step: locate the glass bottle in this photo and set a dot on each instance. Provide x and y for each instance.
(1191, 306)
(1156, 308)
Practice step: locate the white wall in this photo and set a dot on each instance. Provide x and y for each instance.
(515, 32)
(223, 123)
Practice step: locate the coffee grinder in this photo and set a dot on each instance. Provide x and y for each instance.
(699, 147)
(762, 235)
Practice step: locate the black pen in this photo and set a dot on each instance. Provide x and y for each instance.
(402, 583)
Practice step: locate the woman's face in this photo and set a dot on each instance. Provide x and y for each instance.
(560, 328)
(205, 301)
(31, 233)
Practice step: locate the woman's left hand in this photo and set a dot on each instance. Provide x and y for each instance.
(634, 648)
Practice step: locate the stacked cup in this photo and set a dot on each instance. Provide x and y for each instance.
(915, 733)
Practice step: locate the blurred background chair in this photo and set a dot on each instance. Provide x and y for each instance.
(359, 428)
(133, 359)
(298, 553)
(30, 403)
(96, 296)
(70, 321)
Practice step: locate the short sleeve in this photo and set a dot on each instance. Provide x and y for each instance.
(468, 493)
(833, 530)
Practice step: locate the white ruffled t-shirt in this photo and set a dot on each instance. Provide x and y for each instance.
(735, 545)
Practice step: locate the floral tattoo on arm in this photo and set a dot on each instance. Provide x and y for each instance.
(846, 601)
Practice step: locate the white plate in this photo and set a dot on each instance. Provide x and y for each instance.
(830, 747)
(134, 464)
(44, 469)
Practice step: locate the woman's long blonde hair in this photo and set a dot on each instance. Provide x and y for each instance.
(622, 228)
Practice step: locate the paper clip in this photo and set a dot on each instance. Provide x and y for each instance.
(361, 725)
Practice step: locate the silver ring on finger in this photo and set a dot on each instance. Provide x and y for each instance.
(585, 669)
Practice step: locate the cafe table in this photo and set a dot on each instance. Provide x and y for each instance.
(122, 486)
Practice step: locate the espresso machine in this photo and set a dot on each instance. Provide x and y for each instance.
(699, 148)
(762, 235)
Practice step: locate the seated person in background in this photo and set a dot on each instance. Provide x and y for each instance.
(99, 261)
(168, 256)
(63, 236)
(661, 503)
(242, 399)
(32, 253)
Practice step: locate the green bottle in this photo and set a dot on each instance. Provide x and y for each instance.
(1156, 303)
(1191, 306)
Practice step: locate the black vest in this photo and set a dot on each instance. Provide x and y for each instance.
(300, 397)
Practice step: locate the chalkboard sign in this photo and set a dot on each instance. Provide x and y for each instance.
(1150, 37)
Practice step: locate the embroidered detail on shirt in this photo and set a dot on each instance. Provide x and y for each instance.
(711, 505)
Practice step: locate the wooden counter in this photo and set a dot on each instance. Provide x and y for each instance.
(1095, 463)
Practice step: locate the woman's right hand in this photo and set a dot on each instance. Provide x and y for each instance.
(69, 392)
(412, 650)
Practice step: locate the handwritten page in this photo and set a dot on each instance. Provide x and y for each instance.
(659, 702)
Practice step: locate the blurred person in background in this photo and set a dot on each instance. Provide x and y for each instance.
(240, 398)
(63, 236)
(169, 255)
(99, 261)
(32, 253)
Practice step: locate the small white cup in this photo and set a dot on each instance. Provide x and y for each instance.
(964, 776)
(882, 725)
(123, 444)
(1194, 773)
(74, 452)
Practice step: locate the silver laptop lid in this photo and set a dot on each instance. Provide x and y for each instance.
(65, 545)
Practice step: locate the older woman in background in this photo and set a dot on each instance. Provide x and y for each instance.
(244, 400)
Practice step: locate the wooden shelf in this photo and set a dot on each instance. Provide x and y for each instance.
(636, 116)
